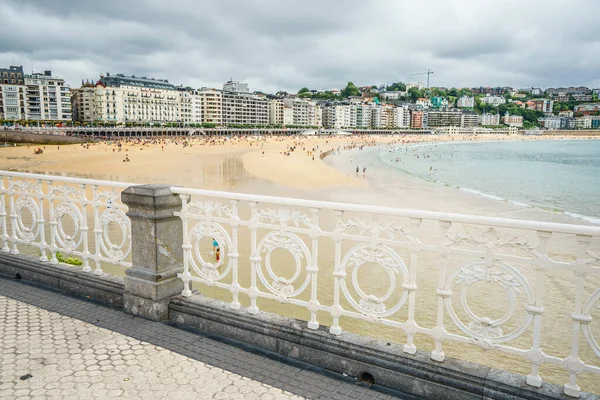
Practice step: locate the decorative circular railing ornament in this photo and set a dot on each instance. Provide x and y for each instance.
(369, 305)
(281, 286)
(594, 301)
(24, 232)
(72, 241)
(485, 330)
(209, 270)
(115, 251)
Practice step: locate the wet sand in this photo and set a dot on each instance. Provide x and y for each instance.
(240, 165)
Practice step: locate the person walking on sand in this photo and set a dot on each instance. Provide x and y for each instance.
(364, 171)
(357, 170)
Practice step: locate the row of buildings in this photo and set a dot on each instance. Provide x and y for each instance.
(139, 99)
(33, 96)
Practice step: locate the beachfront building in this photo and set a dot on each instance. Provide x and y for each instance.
(185, 105)
(512, 120)
(493, 100)
(488, 119)
(82, 103)
(12, 93)
(465, 102)
(306, 113)
(48, 98)
(470, 119)
(276, 112)
(402, 117)
(364, 115)
(244, 109)
(288, 116)
(416, 119)
(444, 118)
(211, 104)
(376, 117)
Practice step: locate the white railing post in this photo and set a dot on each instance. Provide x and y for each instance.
(443, 292)
(186, 246)
(85, 229)
(3, 219)
(573, 363)
(336, 309)
(411, 287)
(97, 232)
(313, 269)
(13, 216)
(254, 259)
(53, 225)
(234, 257)
(536, 355)
(41, 221)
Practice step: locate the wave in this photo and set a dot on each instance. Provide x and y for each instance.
(583, 217)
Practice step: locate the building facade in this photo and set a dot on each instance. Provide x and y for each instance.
(276, 112)
(444, 118)
(465, 102)
(493, 100)
(244, 109)
(13, 100)
(512, 120)
(48, 98)
(235, 87)
(488, 119)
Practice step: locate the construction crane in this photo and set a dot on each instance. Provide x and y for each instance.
(429, 72)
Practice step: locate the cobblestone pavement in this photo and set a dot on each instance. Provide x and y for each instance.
(56, 346)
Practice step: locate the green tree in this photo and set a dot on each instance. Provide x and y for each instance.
(350, 90)
(303, 90)
(414, 94)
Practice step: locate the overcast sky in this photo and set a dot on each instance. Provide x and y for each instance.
(322, 44)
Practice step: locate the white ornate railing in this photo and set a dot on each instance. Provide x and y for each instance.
(79, 217)
(389, 266)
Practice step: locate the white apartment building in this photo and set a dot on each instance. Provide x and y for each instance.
(47, 98)
(465, 102)
(393, 95)
(364, 114)
(493, 100)
(185, 105)
(82, 103)
(488, 119)
(211, 104)
(424, 102)
(235, 87)
(470, 120)
(276, 112)
(245, 109)
(121, 99)
(376, 117)
(306, 113)
(402, 117)
(12, 93)
(288, 116)
(512, 120)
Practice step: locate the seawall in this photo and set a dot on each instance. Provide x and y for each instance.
(22, 137)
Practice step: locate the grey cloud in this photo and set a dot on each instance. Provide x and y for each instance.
(275, 44)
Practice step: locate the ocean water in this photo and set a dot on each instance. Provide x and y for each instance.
(561, 176)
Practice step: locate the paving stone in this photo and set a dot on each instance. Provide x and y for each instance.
(77, 349)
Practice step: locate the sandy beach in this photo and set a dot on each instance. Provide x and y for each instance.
(294, 167)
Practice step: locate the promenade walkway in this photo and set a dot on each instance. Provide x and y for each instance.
(56, 346)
